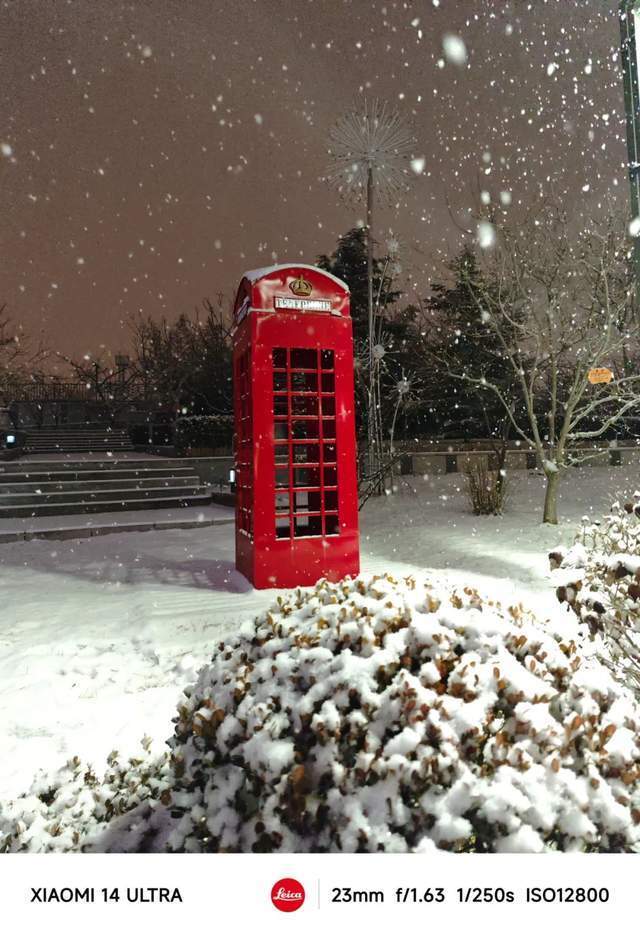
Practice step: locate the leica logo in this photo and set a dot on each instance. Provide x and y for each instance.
(287, 894)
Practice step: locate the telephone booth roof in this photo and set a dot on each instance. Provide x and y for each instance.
(291, 287)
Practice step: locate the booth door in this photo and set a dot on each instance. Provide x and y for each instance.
(305, 445)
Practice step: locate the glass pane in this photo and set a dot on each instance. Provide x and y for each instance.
(331, 525)
(306, 477)
(307, 526)
(314, 498)
(307, 428)
(331, 500)
(283, 527)
(301, 502)
(303, 358)
(282, 502)
(280, 405)
(306, 454)
(330, 452)
(330, 476)
(329, 428)
(281, 430)
(304, 405)
(279, 357)
(328, 383)
(282, 454)
(326, 360)
(328, 406)
(307, 501)
(280, 381)
(304, 382)
(282, 477)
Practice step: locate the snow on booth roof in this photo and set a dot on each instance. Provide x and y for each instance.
(271, 288)
(253, 275)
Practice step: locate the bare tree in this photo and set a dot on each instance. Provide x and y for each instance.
(188, 360)
(558, 305)
(18, 358)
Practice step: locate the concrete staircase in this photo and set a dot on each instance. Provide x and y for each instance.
(60, 487)
(78, 438)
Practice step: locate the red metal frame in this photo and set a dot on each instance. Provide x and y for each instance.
(296, 486)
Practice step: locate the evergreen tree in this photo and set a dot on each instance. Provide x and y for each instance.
(461, 342)
(349, 263)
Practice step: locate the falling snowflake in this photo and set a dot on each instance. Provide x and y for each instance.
(486, 235)
(455, 51)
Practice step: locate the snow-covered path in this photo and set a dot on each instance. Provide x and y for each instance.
(98, 636)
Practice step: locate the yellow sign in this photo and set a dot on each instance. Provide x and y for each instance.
(600, 375)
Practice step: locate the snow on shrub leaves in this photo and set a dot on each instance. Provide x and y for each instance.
(65, 810)
(384, 715)
(599, 578)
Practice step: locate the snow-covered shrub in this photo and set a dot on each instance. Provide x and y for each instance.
(371, 715)
(600, 580)
(383, 715)
(487, 490)
(65, 810)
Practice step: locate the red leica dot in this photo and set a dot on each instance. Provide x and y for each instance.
(287, 894)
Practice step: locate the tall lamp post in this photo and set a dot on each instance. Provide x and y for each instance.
(629, 13)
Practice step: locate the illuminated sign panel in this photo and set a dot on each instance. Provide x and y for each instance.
(303, 305)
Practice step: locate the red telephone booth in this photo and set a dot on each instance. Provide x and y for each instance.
(295, 451)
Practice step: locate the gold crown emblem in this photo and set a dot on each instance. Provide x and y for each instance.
(300, 286)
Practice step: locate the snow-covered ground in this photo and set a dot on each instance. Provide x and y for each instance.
(83, 522)
(99, 635)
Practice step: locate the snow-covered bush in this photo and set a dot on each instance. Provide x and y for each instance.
(65, 810)
(487, 490)
(377, 715)
(600, 580)
(385, 715)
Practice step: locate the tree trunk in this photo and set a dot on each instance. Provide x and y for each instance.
(551, 498)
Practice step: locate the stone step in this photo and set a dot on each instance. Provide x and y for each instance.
(37, 476)
(77, 449)
(48, 439)
(51, 509)
(94, 449)
(76, 433)
(99, 483)
(74, 449)
(78, 440)
(64, 465)
(76, 436)
(82, 497)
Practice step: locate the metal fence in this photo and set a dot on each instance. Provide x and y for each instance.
(65, 391)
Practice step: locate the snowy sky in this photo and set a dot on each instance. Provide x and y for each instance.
(153, 150)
